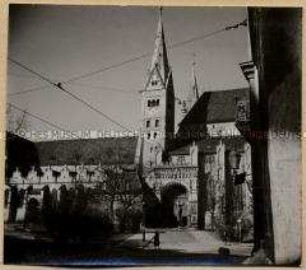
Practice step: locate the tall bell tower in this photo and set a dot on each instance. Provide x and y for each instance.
(158, 104)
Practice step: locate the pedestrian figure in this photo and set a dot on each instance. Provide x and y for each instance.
(156, 240)
(143, 230)
(143, 235)
(180, 215)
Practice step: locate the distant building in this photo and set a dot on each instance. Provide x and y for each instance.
(69, 164)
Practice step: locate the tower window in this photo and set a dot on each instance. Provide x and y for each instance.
(154, 82)
(156, 123)
(155, 135)
(148, 123)
(148, 135)
(153, 102)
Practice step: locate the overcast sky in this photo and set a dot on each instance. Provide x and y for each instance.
(62, 42)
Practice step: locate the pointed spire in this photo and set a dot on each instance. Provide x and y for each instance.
(160, 58)
(193, 94)
(194, 83)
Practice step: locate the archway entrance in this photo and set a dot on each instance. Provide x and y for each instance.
(174, 201)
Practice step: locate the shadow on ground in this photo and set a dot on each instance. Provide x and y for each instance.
(39, 252)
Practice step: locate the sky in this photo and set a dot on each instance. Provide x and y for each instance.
(63, 42)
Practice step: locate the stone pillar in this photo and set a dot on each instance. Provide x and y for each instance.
(202, 192)
(256, 136)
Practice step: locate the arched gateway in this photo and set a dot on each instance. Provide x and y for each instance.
(176, 188)
(174, 200)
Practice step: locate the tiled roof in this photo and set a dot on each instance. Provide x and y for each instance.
(212, 107)
(215, 107)
(25, 154)
(106, 151)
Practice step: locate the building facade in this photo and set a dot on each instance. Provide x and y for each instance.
(202, 176)
(102, 168)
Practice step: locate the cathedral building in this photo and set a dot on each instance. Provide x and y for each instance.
(201, 175)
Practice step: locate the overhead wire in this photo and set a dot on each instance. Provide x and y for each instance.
(63, 89)
(40, 118)
(137, 58)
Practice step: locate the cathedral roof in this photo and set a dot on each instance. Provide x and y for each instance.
(211, 108)
(215, 107)
(106, 151)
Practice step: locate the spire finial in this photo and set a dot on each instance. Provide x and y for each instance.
(193, 68)
(159, 63)
(193, 63)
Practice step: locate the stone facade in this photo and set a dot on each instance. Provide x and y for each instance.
(191, 176)
(55, 178)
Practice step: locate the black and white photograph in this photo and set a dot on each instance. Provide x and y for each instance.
(153, 136)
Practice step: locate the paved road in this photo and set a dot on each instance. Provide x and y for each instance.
(178, 247)
(188, 241)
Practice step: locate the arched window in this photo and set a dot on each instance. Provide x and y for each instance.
(154, 82)
(148, 135)
(148, 123)
(156, 123)
(157, 102)
(155, 135)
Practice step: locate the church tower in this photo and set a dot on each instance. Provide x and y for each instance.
(158, 103)
(193, 94)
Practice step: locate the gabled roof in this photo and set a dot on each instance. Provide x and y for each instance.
(215, 107)
(211, 108)
(106, 151)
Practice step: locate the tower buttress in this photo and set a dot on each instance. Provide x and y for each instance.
(158, 102)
